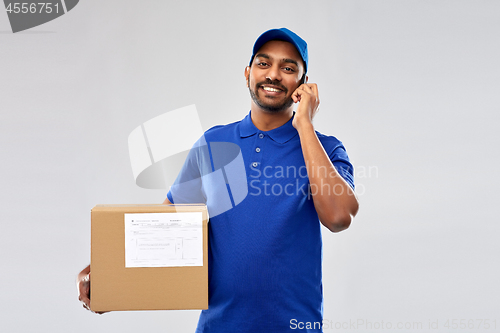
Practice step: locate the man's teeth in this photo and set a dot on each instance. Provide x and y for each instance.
(271, 89)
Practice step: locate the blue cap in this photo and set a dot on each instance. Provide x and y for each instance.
(285, 35)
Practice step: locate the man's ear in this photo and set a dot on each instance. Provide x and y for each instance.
(307, 78)
(247, 74)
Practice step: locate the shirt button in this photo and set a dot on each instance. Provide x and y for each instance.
(261, 135)
(257, 149)
(254, 164)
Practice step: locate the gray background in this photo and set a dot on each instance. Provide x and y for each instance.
(410, 87)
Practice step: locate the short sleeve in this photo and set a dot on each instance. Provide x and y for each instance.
(344, 167)
(187, 188)
(338, 155)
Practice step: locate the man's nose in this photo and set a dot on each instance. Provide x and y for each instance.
(274, 73)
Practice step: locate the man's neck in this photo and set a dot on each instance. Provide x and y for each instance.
(266, 120)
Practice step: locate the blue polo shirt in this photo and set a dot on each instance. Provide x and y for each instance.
(264, 246)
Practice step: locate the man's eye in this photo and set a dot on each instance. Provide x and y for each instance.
(288, 69)
(262, 64)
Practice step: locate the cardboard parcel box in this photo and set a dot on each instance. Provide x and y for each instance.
(149, 257)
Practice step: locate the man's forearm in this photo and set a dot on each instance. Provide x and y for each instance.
(335, 201)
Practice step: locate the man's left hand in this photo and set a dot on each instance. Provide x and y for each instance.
(308, 98)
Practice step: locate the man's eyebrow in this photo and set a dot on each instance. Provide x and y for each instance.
(291, 61)
(262, 55)
(287, 60)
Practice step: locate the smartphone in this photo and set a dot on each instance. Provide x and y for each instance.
(303, 79)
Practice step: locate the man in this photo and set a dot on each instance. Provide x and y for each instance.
(265, 252)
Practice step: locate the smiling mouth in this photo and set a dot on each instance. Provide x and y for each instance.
(271, 89)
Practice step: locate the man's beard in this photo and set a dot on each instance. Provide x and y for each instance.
(275, 108)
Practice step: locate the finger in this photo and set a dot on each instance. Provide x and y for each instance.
(86, 306)
(309, 93)
(85, 300)
(84, 288)
(84, 296)
(87, 284)
(296, 95)
(314, 88)
(306, 88)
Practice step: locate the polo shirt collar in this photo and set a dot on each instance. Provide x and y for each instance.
(281, 134)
